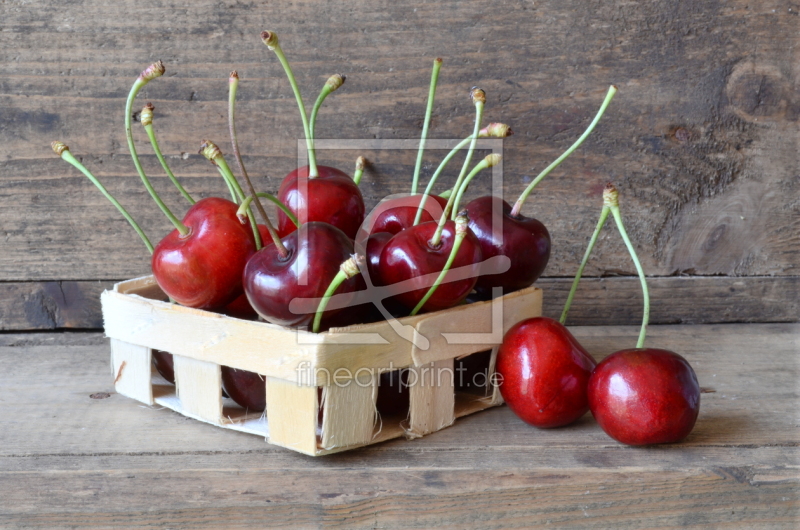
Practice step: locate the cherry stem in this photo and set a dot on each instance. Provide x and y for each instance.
(271, 41)
(233, 85)
(490, 161)
(603, 217)
(150, 73)
(246, 202)
(214, 155)
(360, 163)
(515, 211)
(493, 130)
(146, 117)
(333, 83)
(437, 65)
(435, 176)
(347, 270)
(65, 154)
(479, 98)
(462, 222)
(610, 197)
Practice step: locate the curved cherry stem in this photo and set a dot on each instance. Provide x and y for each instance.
(437, 65)
(490, 161)
(63, 151)
(271, 41)
(360, 163)
(146, 118)
(515, 211)
(347, 270)
(462, 222)
(246, 203)
(334, 82)
(435, 176)
(150, 73)
(603, 217)
(479, 98)
(613, 204)
(233, 86)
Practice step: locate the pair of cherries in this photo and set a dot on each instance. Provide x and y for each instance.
(638, 396)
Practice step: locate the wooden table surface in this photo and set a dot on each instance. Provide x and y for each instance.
(70, 461)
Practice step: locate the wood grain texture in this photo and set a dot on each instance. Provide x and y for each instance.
(598, 301)
(111, 463)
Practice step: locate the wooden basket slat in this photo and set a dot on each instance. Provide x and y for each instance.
(349, 413)
(432, 398)
(198, 384)
(131, 366)
(292, 412)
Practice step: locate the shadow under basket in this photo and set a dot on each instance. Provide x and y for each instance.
(321, 388)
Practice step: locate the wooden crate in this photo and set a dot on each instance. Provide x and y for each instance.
(335, 372)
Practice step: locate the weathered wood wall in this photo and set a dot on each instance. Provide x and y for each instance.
(701, 140)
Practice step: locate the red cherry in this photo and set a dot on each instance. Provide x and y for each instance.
(240, 308)
(248, 389)
(204, 268)
(374, 248)
(645, 396)
(525, 241)
(332, 197)
(409, 256)
(165, 365)
(315, 252)
(397, 214)
(545, 372)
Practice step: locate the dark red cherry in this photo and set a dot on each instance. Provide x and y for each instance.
(397, 214)
(315, 252)
(165, 365)
(544, 373)
(248, 389)
(204, 268)
(645, 396)
(524, 240)
(409, 256)
(332, 197)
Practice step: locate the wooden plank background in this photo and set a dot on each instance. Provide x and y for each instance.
(701, 140)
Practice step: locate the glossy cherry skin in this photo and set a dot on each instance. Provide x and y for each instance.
(248, 389)
(397, 214)
(165, 365)
(408, 256)
(315, 252)
(645, 396)
(204, 269)
(332, 197)
(525, 241)
(544, 373)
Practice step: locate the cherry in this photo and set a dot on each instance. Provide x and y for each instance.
(398, 213)
(523, 239)
(411, 254)
(312, 259)
(165, 365)
(203, 269)
(375, 245)
(332, 197)
(248, 389)
(545, 372)
(645, 396)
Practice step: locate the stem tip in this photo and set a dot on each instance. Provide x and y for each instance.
(210, 150)
(610, 195)
(59, 147)
(361, 162)
(146, 117)
(335, 81)
(496, 130)
(477, 95)
(151, 72)
(351, 267)
(270, 39)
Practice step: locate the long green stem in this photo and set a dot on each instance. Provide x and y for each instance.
(461, 232)
(246, 203)
(271, 41)
(347, 270)
(490, 161)
(515, 211)
(150, 73)
(613, 204)
(479, 99)
(437, 65)
(603, 217)
(146, 117)
(435, 176)
(333, 83)
(65, 154)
